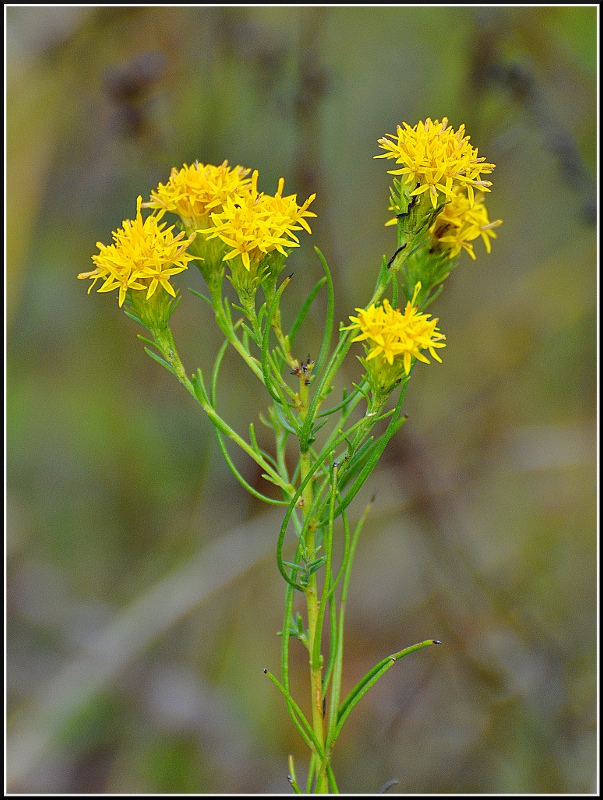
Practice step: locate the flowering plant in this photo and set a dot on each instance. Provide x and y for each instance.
(230, 229)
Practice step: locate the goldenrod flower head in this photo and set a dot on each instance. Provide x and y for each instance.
(435, 158)
(194, 192)
(285, 212)
(460, 222)
(253, 224)
(145, 254)
(392, 336)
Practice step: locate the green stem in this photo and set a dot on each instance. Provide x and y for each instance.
(165, 343)
(333, 731)
(225, 324)
(314, 632)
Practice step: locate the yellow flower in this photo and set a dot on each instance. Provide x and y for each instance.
(435, 158)
(459, 223)
(253, 224)
(392, 336)
(145, 254)
(194, 192)
(285, 213)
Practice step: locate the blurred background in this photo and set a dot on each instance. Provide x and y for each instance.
(143, 595)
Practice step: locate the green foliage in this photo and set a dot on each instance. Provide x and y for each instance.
(115, 483)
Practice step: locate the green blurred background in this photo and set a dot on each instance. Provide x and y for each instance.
(143, 594)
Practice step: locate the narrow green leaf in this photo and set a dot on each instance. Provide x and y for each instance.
(371, 461)
(371, 678)
(316, 565)
(297, 715)
(304, 310)
(202, 297)
(322, 386)
(433, 297)
(283, 530)
(293, 565)
(148, 341)
(133, 316)
(328, 330)
(199, 386)
(378, 447)
(292, 778)
(161, 361)
(347, 399)
(264, 498)
(216, 371)
(254, 441)
(273, 389)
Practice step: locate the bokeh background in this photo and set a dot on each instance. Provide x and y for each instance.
(143, 596)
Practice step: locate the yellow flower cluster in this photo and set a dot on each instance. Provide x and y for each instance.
(253, 224)
(435, 158)
(460, 222)
(212, 202)
(193, 192)
(145, 254)
(392, 335)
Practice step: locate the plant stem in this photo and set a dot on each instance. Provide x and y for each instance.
(166, 346)
(313, 607)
